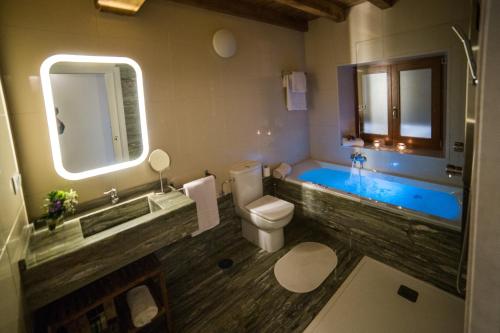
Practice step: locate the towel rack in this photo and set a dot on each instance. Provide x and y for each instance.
(209, 174)
(284, 73)
(181, 188)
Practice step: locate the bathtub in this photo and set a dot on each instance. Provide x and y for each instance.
(429, 202)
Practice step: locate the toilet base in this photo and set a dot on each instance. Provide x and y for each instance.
(268, 240)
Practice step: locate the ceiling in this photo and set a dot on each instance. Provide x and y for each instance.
(293, 14)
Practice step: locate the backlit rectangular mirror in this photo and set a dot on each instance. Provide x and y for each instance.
(96, 114)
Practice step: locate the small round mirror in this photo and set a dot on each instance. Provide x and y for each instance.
(224, 43)
(159, 160)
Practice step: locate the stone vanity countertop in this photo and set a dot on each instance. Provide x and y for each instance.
(57, 263)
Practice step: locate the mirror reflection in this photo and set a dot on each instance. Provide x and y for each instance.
(97, 113)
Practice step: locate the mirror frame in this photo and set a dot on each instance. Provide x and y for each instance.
(51, 116)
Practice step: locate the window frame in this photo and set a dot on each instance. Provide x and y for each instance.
(438, 98)
(374, 69)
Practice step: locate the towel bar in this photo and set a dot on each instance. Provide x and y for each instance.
(284, 73)
(209, 174)
(181, 189)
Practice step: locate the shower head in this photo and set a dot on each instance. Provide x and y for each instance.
(468, 52)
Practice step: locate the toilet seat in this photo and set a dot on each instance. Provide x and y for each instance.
(270, 208)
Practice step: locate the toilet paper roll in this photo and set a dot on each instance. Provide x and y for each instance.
(267, 171)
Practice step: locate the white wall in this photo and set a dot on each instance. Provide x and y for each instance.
(13, 236)
(483, 278)
(347, 101)
(202, 109)
(409, 28)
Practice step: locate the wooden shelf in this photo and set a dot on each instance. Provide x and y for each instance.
(111, 288)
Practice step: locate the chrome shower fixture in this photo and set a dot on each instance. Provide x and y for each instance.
(468, 52)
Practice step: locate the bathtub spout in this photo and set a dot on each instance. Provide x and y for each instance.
(358, 158)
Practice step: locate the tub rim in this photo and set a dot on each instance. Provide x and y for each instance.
(406, 213)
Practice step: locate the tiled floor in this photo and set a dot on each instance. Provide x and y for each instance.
(246, 297)
(368, 302)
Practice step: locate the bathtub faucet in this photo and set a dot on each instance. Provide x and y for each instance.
(358, 158)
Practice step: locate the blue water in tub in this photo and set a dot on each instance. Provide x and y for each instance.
(432, 202)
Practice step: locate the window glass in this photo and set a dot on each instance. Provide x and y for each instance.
(374, 103)
(416, 103)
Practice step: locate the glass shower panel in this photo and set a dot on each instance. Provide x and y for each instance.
(374, 103)
(416, 103)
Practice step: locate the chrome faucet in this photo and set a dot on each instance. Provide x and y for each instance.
(114, 195)
(358, 158)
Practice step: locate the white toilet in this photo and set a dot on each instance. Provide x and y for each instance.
(262, 217)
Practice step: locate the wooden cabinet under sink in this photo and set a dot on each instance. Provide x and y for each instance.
(103, 306)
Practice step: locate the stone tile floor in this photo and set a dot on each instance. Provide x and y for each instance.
(245, 297)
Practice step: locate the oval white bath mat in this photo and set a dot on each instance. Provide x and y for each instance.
(305, 267)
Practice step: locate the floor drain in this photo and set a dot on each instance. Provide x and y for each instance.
(225, 263)
(408, 293)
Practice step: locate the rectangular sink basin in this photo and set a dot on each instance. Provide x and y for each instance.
(113, 216)
(123, 212)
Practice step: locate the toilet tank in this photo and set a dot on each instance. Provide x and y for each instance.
(247, 183)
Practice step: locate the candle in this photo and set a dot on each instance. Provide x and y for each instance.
(401, 146)
(376, 143)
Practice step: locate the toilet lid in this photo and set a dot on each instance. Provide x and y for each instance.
(270, 208)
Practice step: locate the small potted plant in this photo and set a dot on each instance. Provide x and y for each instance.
(58, 204)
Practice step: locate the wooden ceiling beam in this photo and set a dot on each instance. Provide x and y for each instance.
(320, 8)
(383, 4)
(249, 11)
(126, 7)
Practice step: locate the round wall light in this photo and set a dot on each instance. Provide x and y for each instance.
(224, 43)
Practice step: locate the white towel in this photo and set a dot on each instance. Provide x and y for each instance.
(299, 82)
(203, 192)
(295, 101)
(142, 306)
(358, 142)
(282, 171)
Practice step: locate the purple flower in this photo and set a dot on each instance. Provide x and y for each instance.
(60, 203)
